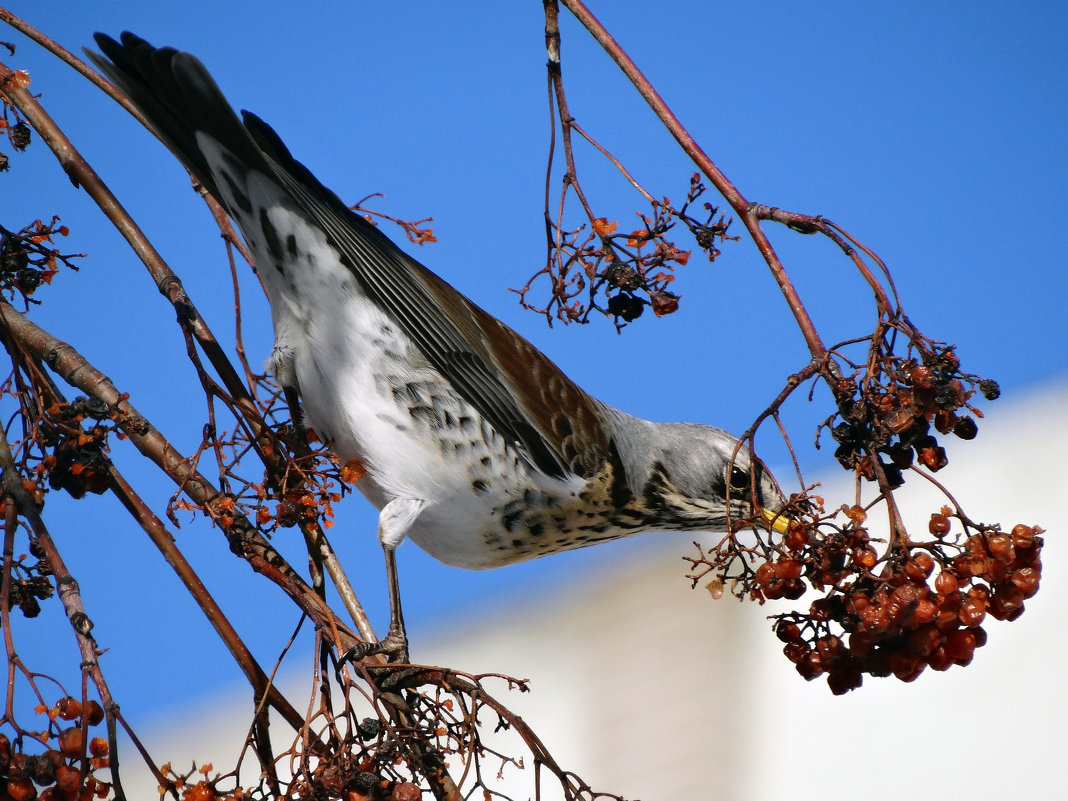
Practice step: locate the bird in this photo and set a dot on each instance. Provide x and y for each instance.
(475, 445)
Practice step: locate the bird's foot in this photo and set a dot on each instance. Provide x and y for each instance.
(394, 646)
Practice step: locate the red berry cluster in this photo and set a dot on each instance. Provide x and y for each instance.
(886, 419)
(923, 608)
(916, 604)
(65, 770)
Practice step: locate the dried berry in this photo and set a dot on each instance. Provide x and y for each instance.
(623, 276)
(664, 303)
(20, 135)
(966, 428)
(369, 728)
(625, 306)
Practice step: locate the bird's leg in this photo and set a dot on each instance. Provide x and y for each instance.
(296, 417)
(394, 521)
(395, 643)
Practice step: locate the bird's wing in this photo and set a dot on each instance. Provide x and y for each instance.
(519, 391)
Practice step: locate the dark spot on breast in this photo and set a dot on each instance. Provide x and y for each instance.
(479, 486)
(291, 245)
(237, 194)
(425, 415)
(535, 499)
(270, 236)
(512, 516)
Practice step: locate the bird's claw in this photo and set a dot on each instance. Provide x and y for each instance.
(394, 646)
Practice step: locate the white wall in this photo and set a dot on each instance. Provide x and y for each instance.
(648, 689)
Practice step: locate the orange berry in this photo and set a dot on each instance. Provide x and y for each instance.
(865, 557)
(972, 612)
(934, 458)
(1026, 578)
(201, 791)
(94, 713)
(924, 640)
(940, 659)
(1023, 536)
(71, 742)
(68, 778)
(1001, 548)
(926, 610)
(811, 666)
(69, 708)
(795, 651)
(98, 747)
(789, 568)
(787, 630)
(939, 524)
(796, 536)
(906, 666)
(21, 789)
(960, 644)
(919, 567)
(842, 681)
(856, 514)
(946, 583)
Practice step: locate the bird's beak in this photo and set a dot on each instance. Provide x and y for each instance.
(777, 520)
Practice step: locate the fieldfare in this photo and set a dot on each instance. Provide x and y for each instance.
(476, 446)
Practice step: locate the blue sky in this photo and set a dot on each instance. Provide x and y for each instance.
(933, 132)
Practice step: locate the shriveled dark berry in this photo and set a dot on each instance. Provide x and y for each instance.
(14, 256)
(893, 474)
(946, 396)
(369, 728)
(900, 454)
(28, 280)
(626, 306)
(843, 433)
(622, 275)
(990, 389)
(20, 136)
(847, 455)
(966, 428)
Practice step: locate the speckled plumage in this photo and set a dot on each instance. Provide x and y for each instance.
(477, 446)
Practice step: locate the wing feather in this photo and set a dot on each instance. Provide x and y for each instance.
(516, 388)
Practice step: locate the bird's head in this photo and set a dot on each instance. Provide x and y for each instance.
(693, 473)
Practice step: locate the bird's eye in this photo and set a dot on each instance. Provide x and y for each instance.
(739, 479)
